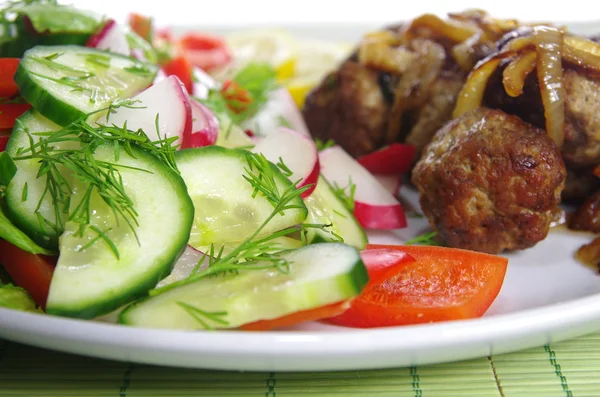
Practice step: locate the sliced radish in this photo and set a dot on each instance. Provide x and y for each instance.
(374, 206)
(390, 160)
(298, 152)
(205, 126)
(391, 183)
(160, 76)
(202, 83)
(111, 38)
(279, 111)
(168, 100)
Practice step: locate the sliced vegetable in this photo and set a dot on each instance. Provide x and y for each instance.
(205, 126)
(181, 68)
(374, 206)
(390, 160)
(9, 112)
(65, 83)
(254, 294)
(299, 317)
(141, 25)
(444, 284)
(30, 271)
(204, 51)
(14, 235)
(109, 264)
(17, 298)
(4, 137)
(27, 204)
(110, 38)
(227, 206)
(298, 153)
(8, 67)
(150, 114)
(326, 208)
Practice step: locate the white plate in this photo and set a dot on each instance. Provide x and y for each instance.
(547, 296)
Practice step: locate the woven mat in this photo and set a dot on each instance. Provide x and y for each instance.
(570, 368)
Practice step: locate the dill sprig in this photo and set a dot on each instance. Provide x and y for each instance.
(70, 151)
(322, 145)
(345, 194)
(429, 238)
(257, 251)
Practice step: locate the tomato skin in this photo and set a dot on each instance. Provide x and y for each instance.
(381, 264)
(391, 160)
(182, 68)
(8, 67)
(444, 284)
(142, 25)
(29, 271)
(9, 112)
(204, 51)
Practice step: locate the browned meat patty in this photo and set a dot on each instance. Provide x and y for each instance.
(580, 184)
(490, 182)
(587, 217)
(350, 108)
(582, 119)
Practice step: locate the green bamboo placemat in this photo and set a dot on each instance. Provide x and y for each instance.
(570, 368)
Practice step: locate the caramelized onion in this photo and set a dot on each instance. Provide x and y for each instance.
(414, 85)
(471, 94)
(380, 56)
(582, 52)
(513, 77)
(548, 43)
(589, 254)
(455, 31)
(463, 52)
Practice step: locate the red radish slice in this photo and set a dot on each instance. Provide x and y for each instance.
(160, 76)
(391, 183)
(279, 111)
(391, 160)
(374, 206)
(111, 38)
(205, 126)
(166, 99)
(298, 152)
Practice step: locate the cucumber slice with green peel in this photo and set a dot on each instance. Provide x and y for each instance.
(54, 18)
(15, 39)
(38, 219)
(226, 209)
(90, 280)
(324, 207)
(66, 83)
(318, 275)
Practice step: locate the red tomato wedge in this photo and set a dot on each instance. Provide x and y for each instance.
(381, 265)
(181, 68)
(8, 67)
(444, 284)
(4, 137)
(204, 51)
(29, 271)
(9, 112)
(142, 25)
(390, 160)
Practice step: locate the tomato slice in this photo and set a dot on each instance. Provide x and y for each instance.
(204, 51)
(181, 68)
(142, 25)
(8, 67)
(381, 264)
(444, 284)
(4, 137)
(9, 112)
(29, 271)
(238, 98)
(390, 160)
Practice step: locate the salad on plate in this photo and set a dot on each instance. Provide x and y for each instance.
(171, 181)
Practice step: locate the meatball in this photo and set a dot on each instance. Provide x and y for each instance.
(490, 182)
(350, 108)
(582, 122)
(587, 217)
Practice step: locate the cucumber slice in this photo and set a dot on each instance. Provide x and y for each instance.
(319, 274)
(23, 193)
(90, 280)
(226, 210)
(324, 207)
(65, 83)
(54, 18)
(136, 42)
(15, 39)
